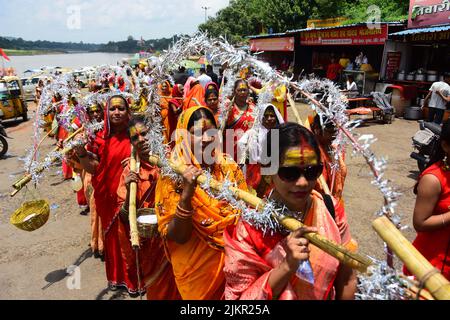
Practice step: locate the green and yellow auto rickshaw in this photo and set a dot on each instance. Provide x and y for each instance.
(12, 99)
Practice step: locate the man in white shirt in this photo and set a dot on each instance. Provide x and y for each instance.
(204, 79)
(435, 101)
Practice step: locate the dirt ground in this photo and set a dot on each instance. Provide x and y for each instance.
(33, 265)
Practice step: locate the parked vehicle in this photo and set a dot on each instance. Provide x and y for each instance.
(3, 141)
(82, 77)
(425, 142)
(29, 87)
(12, 99)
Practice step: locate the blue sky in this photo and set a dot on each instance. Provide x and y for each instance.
(99, 21)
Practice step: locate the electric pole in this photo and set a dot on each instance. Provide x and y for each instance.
(206, 12)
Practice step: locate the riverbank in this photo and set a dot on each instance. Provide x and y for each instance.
(13, 52)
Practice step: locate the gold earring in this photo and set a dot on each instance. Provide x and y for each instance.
(445, 165)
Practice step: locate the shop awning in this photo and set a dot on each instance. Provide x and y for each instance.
(421, 30)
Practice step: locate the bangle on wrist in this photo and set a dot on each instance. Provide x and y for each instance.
(183, 213)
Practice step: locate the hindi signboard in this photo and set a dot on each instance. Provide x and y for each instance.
(356, 36)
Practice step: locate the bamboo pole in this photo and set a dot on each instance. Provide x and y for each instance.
(417, 264)
(22, 182)
(341, 253)
(292, 103)
(134, 234)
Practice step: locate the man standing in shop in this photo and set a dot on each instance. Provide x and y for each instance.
(436, 100)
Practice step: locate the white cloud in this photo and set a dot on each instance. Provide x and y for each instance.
(104, 20)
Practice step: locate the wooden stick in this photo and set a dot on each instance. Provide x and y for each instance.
(132, 208)
(296, 114)
(22, 182)
(417, 264)
(341, 253)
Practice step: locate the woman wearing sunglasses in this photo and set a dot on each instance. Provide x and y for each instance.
(263, 265)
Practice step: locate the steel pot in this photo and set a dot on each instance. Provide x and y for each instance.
(420, 77)
(413, 113)
(432, 77)
(401, 76)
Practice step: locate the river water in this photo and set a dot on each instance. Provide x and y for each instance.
(69, 60)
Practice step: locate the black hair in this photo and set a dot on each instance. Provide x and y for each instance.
(202, 113)
(236, 84)
(317, 124)
(439, 153)
(270, 107)
(135, 119)
(181, 69)
(211, 91)
(202, 70)
(291, 135)
(350, 77)
(209, 67)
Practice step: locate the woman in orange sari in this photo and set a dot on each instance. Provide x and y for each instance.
(263, 265)
(165, 94)
(155, 270)
(190, 221)
(195, 96)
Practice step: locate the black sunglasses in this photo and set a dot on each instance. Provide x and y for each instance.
(291, 174)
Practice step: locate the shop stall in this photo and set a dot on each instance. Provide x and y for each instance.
(275, 49)
(418, 56)
(318, 46)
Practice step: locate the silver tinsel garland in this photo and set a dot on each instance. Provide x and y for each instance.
(331, 107)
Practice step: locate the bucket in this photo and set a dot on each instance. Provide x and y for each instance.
(413, 113)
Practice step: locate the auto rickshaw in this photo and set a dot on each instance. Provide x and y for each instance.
(12, 99)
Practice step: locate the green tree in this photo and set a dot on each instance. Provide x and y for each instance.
(249, 17)
(363, 10)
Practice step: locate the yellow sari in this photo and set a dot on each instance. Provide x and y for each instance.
(198, 264)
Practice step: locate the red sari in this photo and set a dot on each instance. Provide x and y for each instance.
(239, 122)
(251, 255)
(435, 245)
(112, 151)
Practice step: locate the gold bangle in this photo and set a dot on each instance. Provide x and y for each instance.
(190, 212)
(183, 216)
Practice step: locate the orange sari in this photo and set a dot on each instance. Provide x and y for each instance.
(336, 183)
(195, 97)
(251, 256)
(197, 264)
(156, 271)
(96, 225)
(165, 97)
